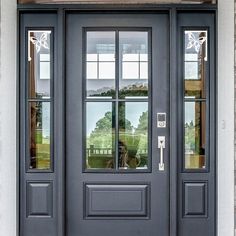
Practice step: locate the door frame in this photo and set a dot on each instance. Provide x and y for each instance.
(60, 11)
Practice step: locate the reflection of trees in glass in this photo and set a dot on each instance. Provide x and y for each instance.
(134, 90)
(130, 90)
(133, 142)
(103, 92)
(192, 137)
(142, 130)
(101, 136)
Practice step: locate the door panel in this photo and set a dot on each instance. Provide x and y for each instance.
(125, 194)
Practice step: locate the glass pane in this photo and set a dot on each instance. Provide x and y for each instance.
(100, 64)
(100, 134)
(133, 64)
(195, 135)
(39, 63)
(133, 135)
(106, 70)
(130, 70)
(39, 135)
(195, 63)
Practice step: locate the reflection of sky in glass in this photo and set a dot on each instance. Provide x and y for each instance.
(133, 111)
(190, 112)
(96, 111)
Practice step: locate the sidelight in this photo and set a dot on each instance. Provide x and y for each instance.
(116, 102)
(195, 98)
(39, 87)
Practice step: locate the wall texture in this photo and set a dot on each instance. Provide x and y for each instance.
(8, 192)
(235, 117)
(8, 157)
(225, 117)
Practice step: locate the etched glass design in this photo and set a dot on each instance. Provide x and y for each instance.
(39, 64)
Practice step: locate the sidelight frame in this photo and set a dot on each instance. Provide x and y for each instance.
(174, 118)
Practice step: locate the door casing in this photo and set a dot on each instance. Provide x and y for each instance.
(59, 12)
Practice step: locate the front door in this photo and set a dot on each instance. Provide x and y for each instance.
(117, 121)
(117, 135)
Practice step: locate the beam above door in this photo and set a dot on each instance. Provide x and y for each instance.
(119, 1)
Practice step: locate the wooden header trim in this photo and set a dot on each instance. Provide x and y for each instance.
(117, 1)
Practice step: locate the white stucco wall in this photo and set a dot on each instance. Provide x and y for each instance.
(225, 118)
(8, 190)
(8, 209)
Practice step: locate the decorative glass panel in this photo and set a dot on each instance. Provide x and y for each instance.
(133, 64)
(39, 135)
(133, 135)
(39, 63)
(100, 134)
(195, 135)
(195, 60)
(100, 64)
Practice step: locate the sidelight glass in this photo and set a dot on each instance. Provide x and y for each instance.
(195, 135)
(100, 63)
(133, 46)
(195, 59)
(100, 134)
(39, 135)
(133, 135)
(39, 64)
(39, 98)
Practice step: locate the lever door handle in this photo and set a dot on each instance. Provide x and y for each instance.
(161, 146)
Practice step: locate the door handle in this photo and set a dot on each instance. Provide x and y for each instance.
(161, 146)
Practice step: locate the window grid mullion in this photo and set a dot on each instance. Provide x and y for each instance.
(117, 80)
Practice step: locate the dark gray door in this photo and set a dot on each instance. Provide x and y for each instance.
(117, 150)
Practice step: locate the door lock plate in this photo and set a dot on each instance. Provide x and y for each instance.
(161, 120)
